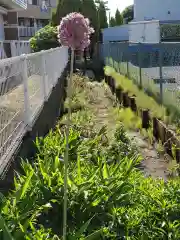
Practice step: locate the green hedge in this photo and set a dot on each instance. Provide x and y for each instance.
(44, 39)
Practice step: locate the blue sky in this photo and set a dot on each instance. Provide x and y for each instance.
(120, 4)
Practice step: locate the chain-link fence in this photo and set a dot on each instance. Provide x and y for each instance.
(25, 84)
(154, 67)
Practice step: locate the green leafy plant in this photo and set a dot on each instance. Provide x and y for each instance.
(150, 135)
(44, 39)
(160, 147)
(108, 196)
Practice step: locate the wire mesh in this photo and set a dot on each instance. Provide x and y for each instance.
(11, 105)
(171, 74)
(155, 67)
(35, 75)
(133, 63)
(25, 83)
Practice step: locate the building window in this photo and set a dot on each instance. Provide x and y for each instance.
(21, 21)
(34, 2)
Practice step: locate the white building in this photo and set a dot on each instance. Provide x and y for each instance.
(162, 10)
(5, 7)
(22, 24)
(115, 34)
(154, 21)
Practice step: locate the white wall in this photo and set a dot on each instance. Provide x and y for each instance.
(53, 3)
(156, 9)
(1, 28)
(146, 31)
(119, 33)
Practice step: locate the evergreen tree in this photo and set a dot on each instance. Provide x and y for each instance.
(65, 7)
(102, 16)
(112, 22)
(102, 19)
(118, 18)
(88, 9)
(128, 13)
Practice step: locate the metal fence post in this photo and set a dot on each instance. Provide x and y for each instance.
(113, 57)
(127, 61)
(13, 48)
(43, 78)
(109, 52)
(160, 73)
(117, 57)
(140, 64)
(27, 106)
(121, 58)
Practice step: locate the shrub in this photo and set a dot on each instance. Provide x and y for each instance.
(44, 39)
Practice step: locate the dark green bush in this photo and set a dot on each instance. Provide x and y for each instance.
(45, 39)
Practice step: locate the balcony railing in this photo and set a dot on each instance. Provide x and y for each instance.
(21, 3)
(22, 31)
(27, 31)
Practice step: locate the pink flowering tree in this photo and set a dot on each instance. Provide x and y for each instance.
(74, 32)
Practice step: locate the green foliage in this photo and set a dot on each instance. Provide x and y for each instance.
(143, 101)
(102, 16)
(118, 18)
(64, 8)
(129, 119)
(44, 39)
(89, 10)
(108, 197)
(128, 13)
(112, 22)
(170, 31)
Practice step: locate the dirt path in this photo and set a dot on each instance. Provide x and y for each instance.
(152, 163)
(102, 107)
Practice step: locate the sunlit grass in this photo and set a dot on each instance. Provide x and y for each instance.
(143, 101)
(129, 119)
(149, 97)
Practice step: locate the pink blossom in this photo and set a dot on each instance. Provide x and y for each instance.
(74, 31)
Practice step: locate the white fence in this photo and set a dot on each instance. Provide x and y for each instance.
(26, 83)
(14, 48)
(20, 47)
